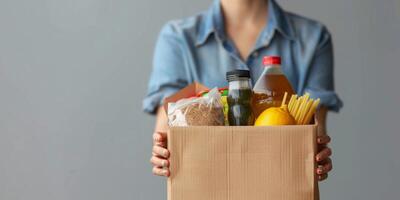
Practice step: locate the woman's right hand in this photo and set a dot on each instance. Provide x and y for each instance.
(160, 155)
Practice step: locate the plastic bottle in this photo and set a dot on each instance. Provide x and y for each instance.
(271, 86)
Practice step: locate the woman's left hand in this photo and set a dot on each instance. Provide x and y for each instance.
(323, 157)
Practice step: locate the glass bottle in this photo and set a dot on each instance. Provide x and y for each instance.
(239, 98)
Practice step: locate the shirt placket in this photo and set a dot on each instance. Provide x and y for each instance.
(234, 54)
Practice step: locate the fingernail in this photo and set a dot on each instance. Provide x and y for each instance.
(165, 172)
(164, 163)
(155, 137)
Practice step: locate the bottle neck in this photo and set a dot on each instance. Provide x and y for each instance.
(272, 69)
(241, 83)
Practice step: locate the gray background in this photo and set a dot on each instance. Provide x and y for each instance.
(73, 74)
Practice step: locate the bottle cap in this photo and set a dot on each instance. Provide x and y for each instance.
(236, 74)
(271, 60)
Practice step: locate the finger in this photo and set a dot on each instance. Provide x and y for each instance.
(159, 162)
(324, 139)
(326, 161)
(160, 139)
(160, 151)
(160, 171)
(325, 168)
(159, 136)
(322, 177)
(161, 144)
(323, 154)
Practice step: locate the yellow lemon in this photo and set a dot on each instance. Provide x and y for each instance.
(275, 116)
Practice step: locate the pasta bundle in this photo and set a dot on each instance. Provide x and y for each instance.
(301, 108)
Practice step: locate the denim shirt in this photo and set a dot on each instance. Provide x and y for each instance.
(197, 49)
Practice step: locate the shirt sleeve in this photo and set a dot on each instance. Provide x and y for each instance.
(168, 74)
(320, 81)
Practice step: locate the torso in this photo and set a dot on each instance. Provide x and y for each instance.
(208, 62)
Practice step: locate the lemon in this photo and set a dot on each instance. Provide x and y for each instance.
(275, 116)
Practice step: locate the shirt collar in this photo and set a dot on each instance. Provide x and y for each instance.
(278, 20)
(213, 22)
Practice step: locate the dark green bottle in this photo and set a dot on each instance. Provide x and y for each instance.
(239, 98)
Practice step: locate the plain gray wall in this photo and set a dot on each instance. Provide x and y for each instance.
(73, 74)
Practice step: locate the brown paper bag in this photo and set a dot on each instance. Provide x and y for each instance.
(240, 163)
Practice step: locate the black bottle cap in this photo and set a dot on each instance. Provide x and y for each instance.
(236, 74)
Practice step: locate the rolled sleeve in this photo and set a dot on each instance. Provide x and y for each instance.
(168, 74)
(328, 99)
(320, 82)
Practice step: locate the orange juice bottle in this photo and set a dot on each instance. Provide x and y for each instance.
(271, 86)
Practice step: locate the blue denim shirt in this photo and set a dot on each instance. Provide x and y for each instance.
(196, 49)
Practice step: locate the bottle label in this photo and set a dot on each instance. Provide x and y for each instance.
(237, 85)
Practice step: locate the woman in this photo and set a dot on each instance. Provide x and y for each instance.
(236, 34)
